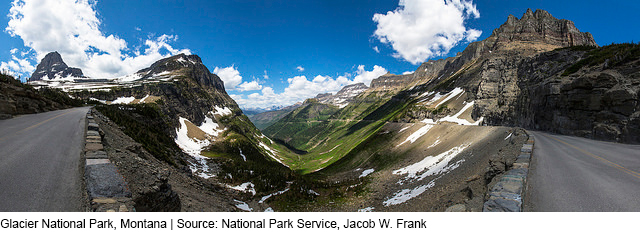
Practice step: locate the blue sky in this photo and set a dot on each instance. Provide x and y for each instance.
(276, 52)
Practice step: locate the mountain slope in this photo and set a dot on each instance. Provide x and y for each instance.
(51, 67)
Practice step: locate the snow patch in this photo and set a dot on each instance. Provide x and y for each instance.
(245, 187)
(210, 127)
(509, 136)
(182, 60)
(98, 100)
(406, 194)
(368, 209)
(243, 156)
(455, 118)
(144, 98)
(269, 210)
(271, 195)
(222, 111)
(366, 172)
(416, 135)
(431, 165)
(455, 92)
(405, 128)
(434, 143)
(123, 100)
(193, 147)
(243, 205)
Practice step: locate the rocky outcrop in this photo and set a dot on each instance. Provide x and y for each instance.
(52, 67)
(343, 97)
(17, 98)
(390, 81)
(540, 26)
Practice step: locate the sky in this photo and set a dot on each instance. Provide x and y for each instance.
(272, 52)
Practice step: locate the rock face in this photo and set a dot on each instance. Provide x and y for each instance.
(343, 97)
(540, 26)
(52, 67)
(542, 73)
(17, 98)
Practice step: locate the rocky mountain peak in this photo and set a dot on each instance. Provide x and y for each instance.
(541, 26)
(53, 67)
(189, 65)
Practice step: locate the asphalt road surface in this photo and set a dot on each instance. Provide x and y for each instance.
(578, 174)
(40, 164)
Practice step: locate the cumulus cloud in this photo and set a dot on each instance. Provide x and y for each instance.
(233, 80)
(229, 75)
(16, 65)
(363, 76)
(72, 28)
(300, 68)
(375, 48)
(300, 88)
(249, 86)
(421, 29)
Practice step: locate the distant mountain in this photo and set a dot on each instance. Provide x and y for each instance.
(264, 119)
(51, 67)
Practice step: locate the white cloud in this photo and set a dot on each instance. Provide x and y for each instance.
(363, 76)
(376, 49)
(300, 68)
(407, 72)
(73, 29)
(300, 88)
(249, 86)
(421, 29)
(17, 66)
(233, 81)
(229, 75)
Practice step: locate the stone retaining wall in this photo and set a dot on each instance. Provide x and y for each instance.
(507, 194)
(107, 190)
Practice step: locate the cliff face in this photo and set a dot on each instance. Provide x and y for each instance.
(52, 67)
(542, 73)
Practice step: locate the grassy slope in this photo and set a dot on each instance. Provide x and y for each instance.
(326, 139)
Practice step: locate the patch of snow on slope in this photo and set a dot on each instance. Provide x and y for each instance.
(269, 210)
(129, 78)
(222, 111)
(243, 205)
(245, 187)
(366, 172)
(98, 100)
(435, 143)
(210, 127)
(193, 147)
(123, 100)
(144, 98)
(454, 93)
(406, 194)
(509, 136)
(182, 60)
(242, 155)
(367, 209)
(405, 128)
(416, 135)
(273, 194)
(455, 118)
(430, 165)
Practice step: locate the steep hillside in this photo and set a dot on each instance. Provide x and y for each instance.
(17, 98)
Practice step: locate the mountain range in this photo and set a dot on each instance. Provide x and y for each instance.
(536, 72)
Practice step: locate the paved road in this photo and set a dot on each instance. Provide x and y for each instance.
(577, 174)
(40, 165)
